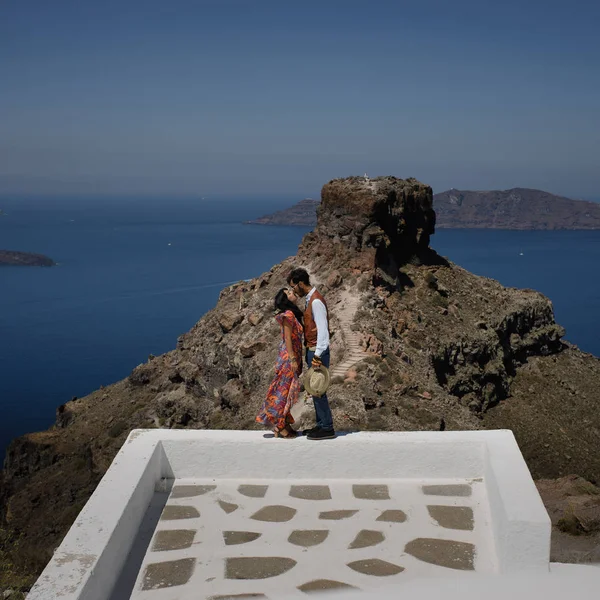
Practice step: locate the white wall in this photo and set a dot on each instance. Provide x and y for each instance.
(87, 563)
(364, 455)
(520, 522)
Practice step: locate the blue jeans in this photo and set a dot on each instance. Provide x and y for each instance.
(322, 410)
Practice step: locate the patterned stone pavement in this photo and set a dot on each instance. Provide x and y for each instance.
(232, 539)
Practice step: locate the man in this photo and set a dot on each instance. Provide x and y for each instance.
(316, 340)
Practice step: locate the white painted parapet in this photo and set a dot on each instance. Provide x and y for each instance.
(90, 558)
(520, 522)
(88, 563)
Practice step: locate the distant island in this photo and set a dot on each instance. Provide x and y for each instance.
(302, 214)
(24, 259)
(518, 208)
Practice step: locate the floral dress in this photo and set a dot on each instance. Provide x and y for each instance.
(285, 388)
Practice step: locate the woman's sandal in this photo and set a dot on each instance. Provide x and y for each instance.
(285, 432)
(291, 432)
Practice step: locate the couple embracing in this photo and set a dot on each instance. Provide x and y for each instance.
(310, 325)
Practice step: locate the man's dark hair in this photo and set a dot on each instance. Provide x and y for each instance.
(299, 276)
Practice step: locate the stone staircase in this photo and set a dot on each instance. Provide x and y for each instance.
(353, 353)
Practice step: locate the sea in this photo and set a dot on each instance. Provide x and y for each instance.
(133, 274)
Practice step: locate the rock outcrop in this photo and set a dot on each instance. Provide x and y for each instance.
(417, 343)
(373, 225)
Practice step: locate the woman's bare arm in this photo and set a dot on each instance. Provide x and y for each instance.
(287, 335)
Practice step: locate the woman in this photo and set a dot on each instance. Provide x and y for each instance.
(285, 387)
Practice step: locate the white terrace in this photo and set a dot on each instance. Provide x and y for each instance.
(235, 514)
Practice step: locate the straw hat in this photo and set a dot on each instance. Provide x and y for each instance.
(316, 380)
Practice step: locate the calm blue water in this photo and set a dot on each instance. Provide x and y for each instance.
(122, 292)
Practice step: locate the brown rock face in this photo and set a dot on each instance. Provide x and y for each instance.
(402, 208)
(376, 223)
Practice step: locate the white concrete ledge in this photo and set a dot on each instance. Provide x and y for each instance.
(521, 524)
(363, 455)
(88, 562)
(90, 558)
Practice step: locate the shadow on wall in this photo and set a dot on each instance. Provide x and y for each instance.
(126, 581)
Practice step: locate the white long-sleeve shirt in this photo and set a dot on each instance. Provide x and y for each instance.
(320, 316)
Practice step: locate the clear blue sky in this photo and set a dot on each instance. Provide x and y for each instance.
(242, 97)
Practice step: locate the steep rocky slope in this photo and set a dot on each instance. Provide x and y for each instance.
(441, 349)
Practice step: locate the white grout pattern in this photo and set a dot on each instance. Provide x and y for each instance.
(302, 535)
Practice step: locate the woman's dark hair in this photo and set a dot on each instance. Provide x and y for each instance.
(283, 303)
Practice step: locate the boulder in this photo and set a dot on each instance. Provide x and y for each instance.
(334, 280)
(188, 371)
(229, 320)
(176, 408)
(573, 504)
(250, 349)
(372, 345)
(254, 319)
(233, 395)
(142, 374)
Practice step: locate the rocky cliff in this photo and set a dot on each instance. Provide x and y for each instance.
(518, 208)
(439, 348)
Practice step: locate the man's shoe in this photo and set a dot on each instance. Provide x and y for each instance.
(312, 431)
(322, 434)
